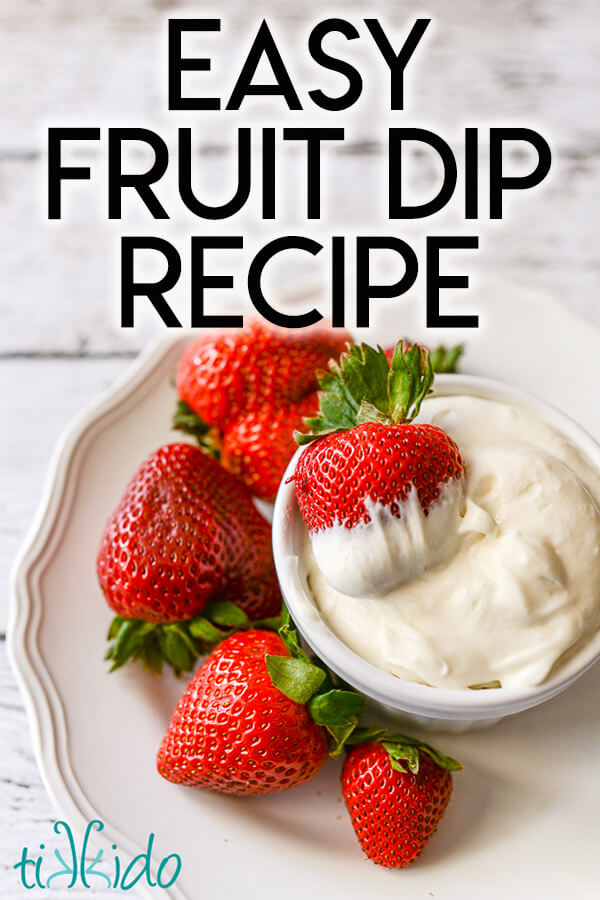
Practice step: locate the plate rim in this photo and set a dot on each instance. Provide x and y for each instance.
(43, 704)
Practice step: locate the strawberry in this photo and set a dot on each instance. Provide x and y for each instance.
(257, 445)
(366, 462)
(254, 386)
(234, 731)
(396, 791)
(185, 534)
(257, 717)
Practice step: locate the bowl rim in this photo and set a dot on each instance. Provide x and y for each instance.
(388, 689)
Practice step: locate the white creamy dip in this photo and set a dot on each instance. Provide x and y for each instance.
(372, 558)
(515, 588)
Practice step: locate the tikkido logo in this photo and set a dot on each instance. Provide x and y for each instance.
(85, 870)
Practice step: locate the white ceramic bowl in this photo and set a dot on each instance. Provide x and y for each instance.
(439, 708)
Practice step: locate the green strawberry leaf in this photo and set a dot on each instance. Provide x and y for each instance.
(341, 734)
(115, 627)
(364, 371)
(445, 359)
(179, 644)
(150, 655)
(223, 612)
(403, 748)
(404, 751)
(369, 413)
(364, 387)
(289, 636)
(185, 419)
(175, 651)
(271, 623)
(365, 735)
(338, 711)
(335, 707)
(339, 403)
(410, 380)
(298, 679)
(178, 629)
(128, 640)
(337, 412)
(403, 757)
(328, 684)
(204, 630)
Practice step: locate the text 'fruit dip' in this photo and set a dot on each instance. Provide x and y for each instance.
(512, 580)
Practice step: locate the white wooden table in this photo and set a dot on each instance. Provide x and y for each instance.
(531, 62)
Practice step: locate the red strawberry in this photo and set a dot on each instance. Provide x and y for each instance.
(366, 461)
(234, 731)
(396, 792)
(185, 533)
(255, 385)
(259, 444)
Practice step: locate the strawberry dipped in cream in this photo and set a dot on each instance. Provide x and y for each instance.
(382, 498)
(515, 589)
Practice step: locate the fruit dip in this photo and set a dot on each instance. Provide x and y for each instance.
(500, 581)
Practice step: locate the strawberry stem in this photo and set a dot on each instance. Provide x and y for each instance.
(365, 387)
(178, 644)
(207, 437)
(403, 750)
(312, 683)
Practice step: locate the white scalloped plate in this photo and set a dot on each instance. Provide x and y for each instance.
(523, 820)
